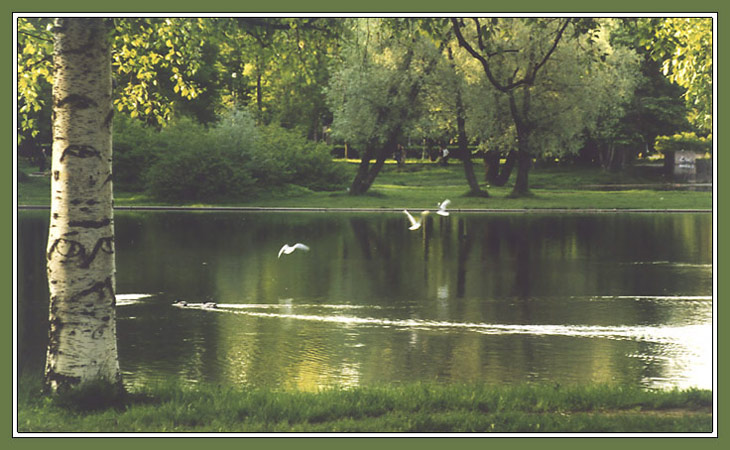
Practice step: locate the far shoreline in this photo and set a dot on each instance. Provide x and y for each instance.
(388, 210)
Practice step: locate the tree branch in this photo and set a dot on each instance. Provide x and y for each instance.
(479, 57)
(558, 36)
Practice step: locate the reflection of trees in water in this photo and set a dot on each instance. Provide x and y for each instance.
(492, 268)
(376, 241)
(362, 233)
(465, 242)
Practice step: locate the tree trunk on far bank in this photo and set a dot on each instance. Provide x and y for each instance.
(496, 173)
(462, 141)
(366, 173)
(471, 179)
(82, 344)
(524, 127)
(522, 187)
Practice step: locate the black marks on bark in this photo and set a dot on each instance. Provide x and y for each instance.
(62, 382)
(97, 288)
(69, 248)
(76, 101)
(91, 202)
(56, 174)
(90, 223)
(80, 151)
(54, 333)
(108, 179)
(66, 247)
(105, 245)
(99, 331)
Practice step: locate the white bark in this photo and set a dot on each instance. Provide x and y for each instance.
(80, 253)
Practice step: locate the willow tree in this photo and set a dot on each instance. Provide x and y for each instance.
(376, 96)
(82, 337)
(513, 54)
(582, 92)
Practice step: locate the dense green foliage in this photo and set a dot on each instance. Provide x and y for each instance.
(231, 159)
(409, 408)
(376, 84)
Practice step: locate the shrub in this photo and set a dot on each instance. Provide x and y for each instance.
(191, 165)
(134, 146)
(235, 133)
(192, 174)
(285, 157)
(232, 159)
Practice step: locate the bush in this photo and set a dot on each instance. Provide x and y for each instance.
(188, 162)
(192, 174)
(284, 157)
(235, 133)
(192, 164)
(134, 147)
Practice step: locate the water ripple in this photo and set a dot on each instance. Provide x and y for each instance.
(656, 334)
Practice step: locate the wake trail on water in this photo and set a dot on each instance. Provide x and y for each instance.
(656, 334)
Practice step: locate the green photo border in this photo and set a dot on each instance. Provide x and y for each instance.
(319, 6)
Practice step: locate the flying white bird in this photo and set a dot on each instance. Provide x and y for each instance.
(287, 249)
(442, 208)
(415, 224)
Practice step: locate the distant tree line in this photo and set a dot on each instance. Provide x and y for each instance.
(511, 91)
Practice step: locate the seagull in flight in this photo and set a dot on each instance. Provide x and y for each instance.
(442, 208)
(415, 224)
(287, 249)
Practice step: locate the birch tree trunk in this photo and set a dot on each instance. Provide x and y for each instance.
(80, 254)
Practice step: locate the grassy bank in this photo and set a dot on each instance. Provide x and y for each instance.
(423, 185)
(410, 408)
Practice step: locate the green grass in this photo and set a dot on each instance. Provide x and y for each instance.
(408, 408)
(421, 185)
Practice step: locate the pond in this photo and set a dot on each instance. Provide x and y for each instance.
(480, 297)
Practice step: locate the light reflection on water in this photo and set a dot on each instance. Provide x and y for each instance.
(659, 334)
(479, 298)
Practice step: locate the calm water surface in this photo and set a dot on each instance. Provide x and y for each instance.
(498, 298)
